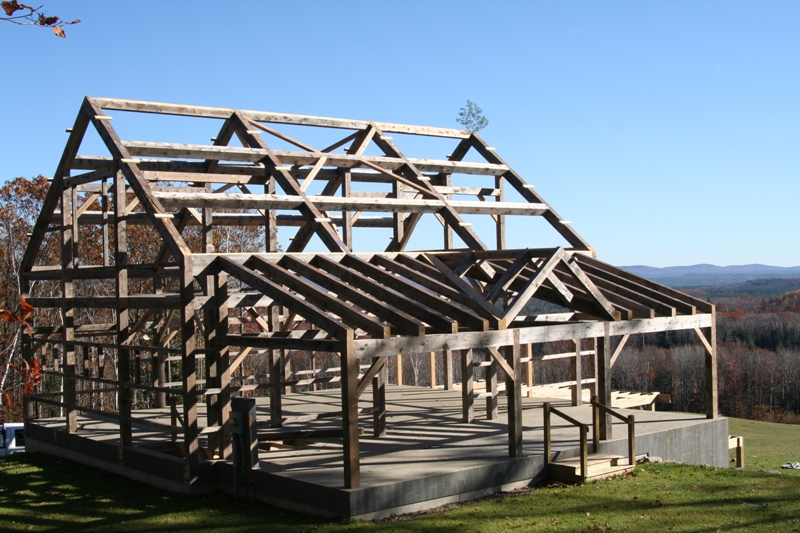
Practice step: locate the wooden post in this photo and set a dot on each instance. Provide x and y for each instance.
(347, 220)
(491, 389)
(467, 384)
(576, 374)
(529, 369)
(274, 371)
(217, 372)
(447, 369)
(499, 183)
(547, 433)
(399, 368)
(593, 367)
(603, 346)
(712, 400)
(123, 315)
(514, 395)
(352, 469)
(189, 366)
(69, 238)
(379, 401)
(433, 369)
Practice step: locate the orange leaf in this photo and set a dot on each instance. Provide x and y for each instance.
(11, 7)
(7, 400)
(59, 31)
(26, 308)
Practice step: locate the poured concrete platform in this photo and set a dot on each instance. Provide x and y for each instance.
(429, 457)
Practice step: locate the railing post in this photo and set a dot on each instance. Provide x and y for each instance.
(584, 452)
(547, 443)
(595, 423)
(631, 441)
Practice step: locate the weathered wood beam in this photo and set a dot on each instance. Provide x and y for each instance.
(528, 335)
(329, 203)
(277, 118)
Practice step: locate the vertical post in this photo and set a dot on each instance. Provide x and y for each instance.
(352, 468)
(104, 189)
(514, 395)
(595, 423)
(270, 220)
(584, 452)
(712, 400)
(347, 220)
(274, 371)
(69, 241)
(448, 229)
(432, 359)
(123, 315)
(499, 183)
(547, 433)
(447, 369)
(593, 367)
(529, 369)
(576, 373)
(631, 440)
(491, 389)
(467, 386)
(217, 366)
(189, 366)
(379, 400)
(603, 348)
(399, 368)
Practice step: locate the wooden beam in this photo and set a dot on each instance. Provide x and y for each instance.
(332, 203)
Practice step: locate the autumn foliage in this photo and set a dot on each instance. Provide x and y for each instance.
(26, 15)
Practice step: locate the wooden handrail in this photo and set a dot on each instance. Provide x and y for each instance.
(597, 407)
(583, 428)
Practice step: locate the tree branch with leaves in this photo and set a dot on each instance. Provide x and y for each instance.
(471, 117)
(25, 15)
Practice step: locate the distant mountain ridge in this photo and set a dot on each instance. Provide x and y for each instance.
(710, 275)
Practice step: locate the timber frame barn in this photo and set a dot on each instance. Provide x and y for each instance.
(186, 306)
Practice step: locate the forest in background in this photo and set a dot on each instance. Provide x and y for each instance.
(758, 333)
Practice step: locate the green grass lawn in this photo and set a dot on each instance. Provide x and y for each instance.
(41, 493)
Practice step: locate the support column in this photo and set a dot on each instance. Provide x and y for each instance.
(432, 364)
(69, 249)
(491, 389)
(352, 467)
(218, 378)
(274, 371)
(379, 400)
(467, 386)
(447, 369)
(529, 369)
(189, 366)
(603, 345)
(399, 368)
(123, 314)
(576, 374)
(514, 395)
(710, 347)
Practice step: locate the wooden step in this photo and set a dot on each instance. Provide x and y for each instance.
(599, 466)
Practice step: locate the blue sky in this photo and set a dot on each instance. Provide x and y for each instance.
(668, 133)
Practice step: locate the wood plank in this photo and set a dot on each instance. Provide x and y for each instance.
(332, 203)
(277, 118)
